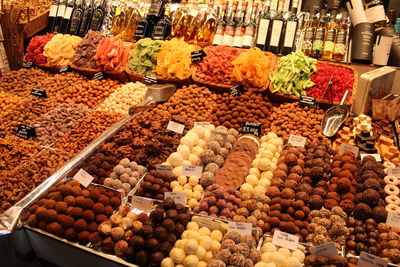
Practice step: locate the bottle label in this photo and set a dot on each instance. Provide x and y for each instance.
(276, 32)
(61, 11)
(159, 32)
(356, 11)
(228, 36)
(95, 21)
(238, 37)
(291, 27)
(329, 46)
(376, 13)
(53, 10)
(318, 43)
(68, 12)
(248, 40)
(155, 9)
(341, 38)
(74, 22)
(139, 31)
(330, 36)
(262, 31)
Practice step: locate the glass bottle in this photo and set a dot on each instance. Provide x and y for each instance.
(129, 28)
(119, 20)
(76, 18)
(52, 16)
(318, 43)
(193, 21)
(276, 30)
(87, 18)
(219, 33)
(144, 27)
(205, 34)
(60, 15)
(341, 40)
(309, 32)
(67, 16)
(251, 26)
(163, 28)
(263, 26)
(98, 15)
(240, 27)
(290, 29)
(230, 26)
(330, 38)
(375, 12)
(178, 26)
(392, 17)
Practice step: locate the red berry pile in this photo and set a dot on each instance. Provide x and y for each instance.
(34, 52)
(342, 80)
(216, 67)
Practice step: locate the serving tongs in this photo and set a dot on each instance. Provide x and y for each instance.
(334, 117)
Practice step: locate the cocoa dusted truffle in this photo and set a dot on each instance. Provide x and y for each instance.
(316, 202)
(362, 211)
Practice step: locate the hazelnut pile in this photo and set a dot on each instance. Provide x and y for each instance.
(363, 237)
(196, 247)
(370, 195)
(253, 209)
(236, 250)
(318, 261)
(154, 185)
(216, 152)
(8, 102)
(219, 202)
(71, 211)
(232, 111)
(291, 118)
(342, 187)
(328, 226)
(273, 255)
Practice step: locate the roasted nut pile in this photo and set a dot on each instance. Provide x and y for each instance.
(8, 102)
(124, 97)
(90, 93)
(17, 183)
(231, 111)
(58, 122)
(80, 137)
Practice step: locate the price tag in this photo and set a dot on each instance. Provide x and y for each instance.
(27, 65)
(394, 172)
(83, 177)
(25, 131)
(344, 147)
(204, 124)
(297, 140)
(164, 168)
(307, 101)
(285, 240)
(242, 228)
(324, 250)
(209, 223)
(38, 92)
(393, 219)
(98, 76)
(376, 156)
(236, 90)
(149, 79)
(142, 203)
(198, 55)
(191, 170)
(64, 69)
(178, 197)
(175, 127)
(369, 260)
(250, 127)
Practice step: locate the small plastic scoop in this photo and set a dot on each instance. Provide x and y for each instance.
(334, 117)
(155, 93)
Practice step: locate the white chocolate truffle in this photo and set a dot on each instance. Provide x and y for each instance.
(252, 179)
(267, 175)
(299, 254)
(126, 187)
(178, 188)
(205, 242)
(268, 247)
(204, 231)
(198, 188)
(176, 159)
(186, 162)
(277, 258)
(201, 253)
(191, 246)
(293, 262)
(264, 182)
(188, 193)
(180, 243)
(199, 130)
(264, 164)
(260, 190)
(254, 171)
(201, 264)
(173, 184)
(254, 164)
(177, 255)
(184, 151)
(284, 251)
(193, 235)
(192, 203)
(182, 180)
(246, 188)
(203, 142)
(196, 195)
(215, 245)
(197, 150)
(190, 261)
(262, 264)
(108, 181)
(187, 186)
(209, 256)
(192, 226)
(265, 256)
(216, 235)
(167, 262)
(177, 171)
(193, 180)
(194, 160)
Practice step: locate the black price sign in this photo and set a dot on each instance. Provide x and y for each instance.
(38, 92)
(25, 131)
(236, 90)
(307, 101)
(27, 65)
(149, 79)
(198, 55)
(64, 69)
(98, 76)
(250, 127)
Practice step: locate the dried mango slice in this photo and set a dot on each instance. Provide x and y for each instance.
(60, 50)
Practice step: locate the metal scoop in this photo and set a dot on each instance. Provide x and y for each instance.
(334, 117)
(155, 93)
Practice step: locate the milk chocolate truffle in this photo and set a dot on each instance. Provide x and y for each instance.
(55, 228)
(70, 234)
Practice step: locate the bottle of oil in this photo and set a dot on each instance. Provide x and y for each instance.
(309, 32)
(132, 15)
(318, 43)
(178, 21)
(341, 40)
(192, 23)
(163, 27)
(330, 37)
(206, 32)
(119, 20)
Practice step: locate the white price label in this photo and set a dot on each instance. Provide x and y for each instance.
(141, 203)
(285, 240)
(191, 170)
(209, 223)
(164, 168)
(242, 228)
(393, 219)
(83, 177)
(324, 250)
(344, 147)
(369, 260)
(394, 172)
(204, 124)
(376, 156)
(178, 197)
(297, 140)
(175, 127)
